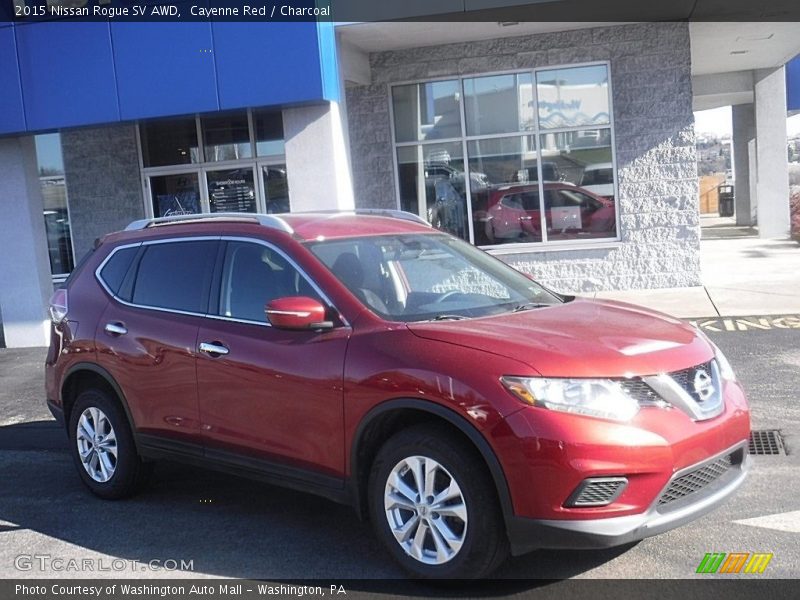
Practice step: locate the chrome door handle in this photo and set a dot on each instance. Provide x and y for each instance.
(116, 328)
(213, 348)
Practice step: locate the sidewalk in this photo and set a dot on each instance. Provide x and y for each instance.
(742, 276)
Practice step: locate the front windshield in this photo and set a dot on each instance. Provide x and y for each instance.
(419, 277)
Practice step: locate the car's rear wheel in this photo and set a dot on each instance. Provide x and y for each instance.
(433, 505)
(102, 446)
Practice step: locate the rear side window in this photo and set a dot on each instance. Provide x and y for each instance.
(176, 275)
(115, 269)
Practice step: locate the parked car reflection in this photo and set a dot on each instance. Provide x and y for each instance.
(512, 214)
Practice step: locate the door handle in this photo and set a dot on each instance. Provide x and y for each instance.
(213, 348)
(116, 328)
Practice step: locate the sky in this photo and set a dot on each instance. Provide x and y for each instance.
(718, 121)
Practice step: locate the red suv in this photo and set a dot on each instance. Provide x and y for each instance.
(467, 411)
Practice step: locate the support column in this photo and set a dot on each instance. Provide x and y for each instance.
(316, 158)
(25, 283)
(772, 162)
(744, 130)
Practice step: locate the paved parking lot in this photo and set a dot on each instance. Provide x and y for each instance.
(235, 528)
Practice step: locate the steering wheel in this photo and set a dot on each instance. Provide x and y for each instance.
(447, 295)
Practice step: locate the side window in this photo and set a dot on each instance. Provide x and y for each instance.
(114, 271)
(530, 200)
(176, 275)
(254, 275)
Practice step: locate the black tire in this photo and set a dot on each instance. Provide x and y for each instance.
(485, 545)
(130, 473)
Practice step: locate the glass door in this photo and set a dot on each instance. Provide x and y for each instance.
(231, 190)
(275, 186)
(175, 194)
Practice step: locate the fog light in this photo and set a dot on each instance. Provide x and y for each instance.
(597, 491)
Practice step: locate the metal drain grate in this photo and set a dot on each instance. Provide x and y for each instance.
(766, 441)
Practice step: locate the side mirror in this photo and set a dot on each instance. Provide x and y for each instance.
(297, 312)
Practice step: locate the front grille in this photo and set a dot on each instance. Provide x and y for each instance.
(685, 379)
(597, 491)
(640, 391)
(696, 480)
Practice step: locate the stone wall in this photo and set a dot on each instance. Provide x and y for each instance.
(655, 145)
(101, 166)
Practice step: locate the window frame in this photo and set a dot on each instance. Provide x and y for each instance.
(215, 285)
(201, 168)
(537, 132)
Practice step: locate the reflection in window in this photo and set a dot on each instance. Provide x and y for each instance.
(432, 184)
(269, 132)
(427, 111)
(174, 195)
(226, 137)
(581, 205)
(499, 104)
(573, 97)
(231, 190)
(506, 210)
(169, 142)
(54, 197)
(533, 176)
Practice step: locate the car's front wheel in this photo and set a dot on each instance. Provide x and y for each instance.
(102, 446)
(433, 505)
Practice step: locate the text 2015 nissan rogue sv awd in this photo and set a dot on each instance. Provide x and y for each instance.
(462, 408)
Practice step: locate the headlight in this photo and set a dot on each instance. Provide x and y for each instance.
(600, 398)
(725, 369)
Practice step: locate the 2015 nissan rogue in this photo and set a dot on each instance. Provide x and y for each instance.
(465, 410)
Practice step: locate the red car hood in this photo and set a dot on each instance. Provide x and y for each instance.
(582, 338)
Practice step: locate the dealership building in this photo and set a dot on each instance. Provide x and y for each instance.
(565, 149)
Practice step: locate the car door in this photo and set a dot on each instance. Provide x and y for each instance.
(147, 336)
(270, 399)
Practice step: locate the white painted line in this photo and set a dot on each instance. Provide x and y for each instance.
(788, 521)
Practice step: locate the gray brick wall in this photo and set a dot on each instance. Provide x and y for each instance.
(101, 166)
(656, 158)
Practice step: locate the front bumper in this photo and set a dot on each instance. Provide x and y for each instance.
(527, 534)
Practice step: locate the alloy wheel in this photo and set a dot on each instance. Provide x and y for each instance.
(426, 510)
(97, 444)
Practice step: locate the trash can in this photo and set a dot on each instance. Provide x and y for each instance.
(725, 201)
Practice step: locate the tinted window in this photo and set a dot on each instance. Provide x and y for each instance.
(254, 275)
(176, 275)
(523, 201)
(114, 271)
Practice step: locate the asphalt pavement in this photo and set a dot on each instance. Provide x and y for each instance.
(223, 526)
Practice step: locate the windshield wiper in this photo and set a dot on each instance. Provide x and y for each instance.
(449, 318)
(529, 306)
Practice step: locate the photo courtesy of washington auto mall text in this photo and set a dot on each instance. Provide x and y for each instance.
(399, 299)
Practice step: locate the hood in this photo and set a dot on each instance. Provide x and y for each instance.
(582, 338)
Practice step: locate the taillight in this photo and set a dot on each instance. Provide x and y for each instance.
(58, 306)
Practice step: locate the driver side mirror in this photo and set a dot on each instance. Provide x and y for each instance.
(297, 313)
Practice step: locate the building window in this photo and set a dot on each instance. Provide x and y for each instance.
(510, 158)
(226, 137)
(232, 162)
(269, 132)
(169, 142)
(56, 207)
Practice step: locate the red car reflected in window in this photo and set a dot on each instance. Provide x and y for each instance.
(513, 214)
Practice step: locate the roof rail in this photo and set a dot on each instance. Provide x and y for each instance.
(273, 221)
(376, 212)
